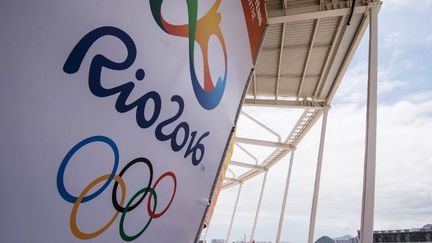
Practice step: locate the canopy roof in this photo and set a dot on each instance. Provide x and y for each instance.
(305, 52)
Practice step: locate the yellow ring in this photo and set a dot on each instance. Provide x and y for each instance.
(73, 225)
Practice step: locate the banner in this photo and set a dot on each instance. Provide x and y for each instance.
(115, 116)
(256, 22)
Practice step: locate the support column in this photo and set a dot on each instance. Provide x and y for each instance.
(259, 206)
(368, 197)
(234, 212)
(282, 213)
(317, 178)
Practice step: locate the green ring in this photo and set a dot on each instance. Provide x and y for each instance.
(122, 233)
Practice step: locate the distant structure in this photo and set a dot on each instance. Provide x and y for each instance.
(423, 234)
(343, 239)
(347, 239)
(217, 241)
(270, 242)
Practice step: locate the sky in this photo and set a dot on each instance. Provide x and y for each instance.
(404, 158)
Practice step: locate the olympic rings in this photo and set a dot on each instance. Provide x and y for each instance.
(118, 180)
(157, 215)
(114, 192)
(123, 235)
(74, 228)
(60, 175)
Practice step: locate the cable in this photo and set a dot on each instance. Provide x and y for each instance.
(352, 12)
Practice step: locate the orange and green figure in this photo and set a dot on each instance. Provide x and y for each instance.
(199, 30)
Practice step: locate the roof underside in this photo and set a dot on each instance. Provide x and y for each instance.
(305, 52)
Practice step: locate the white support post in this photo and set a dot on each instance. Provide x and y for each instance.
(282, 213)
(367, 216)
(234, 212)
(317, 178)
(258, 207)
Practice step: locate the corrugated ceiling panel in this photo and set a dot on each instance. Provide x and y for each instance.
(298, 33)
(326, 30)
(266, 86)
(293, 61)
(302, 6)
(308, 88)
(288, 86)
(273, 37)
(317, 59)
(268, 62)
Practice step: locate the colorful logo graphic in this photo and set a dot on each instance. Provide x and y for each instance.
(199, 30)
(108, 178)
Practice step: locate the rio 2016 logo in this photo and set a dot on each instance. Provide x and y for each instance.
(199, 30)
(140, 196)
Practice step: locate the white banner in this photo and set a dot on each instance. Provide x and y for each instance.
(115, 115)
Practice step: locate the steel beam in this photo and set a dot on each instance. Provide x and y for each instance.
(234, 212)
(263, 143)
(285, 196)
(233, 180)
(252, 237)
(368, 197)
(317, 179)
(262, 125)
(303, 104)
(254, 83)
(315, 15)
(248, 153)
(280, 61)
(246, 165)
(294, 47)
(348, 58)
(330, 55)
(312, 41)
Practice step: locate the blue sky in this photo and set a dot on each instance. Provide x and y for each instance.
(404, 156)
(405, 52)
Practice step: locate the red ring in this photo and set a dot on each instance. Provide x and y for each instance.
(157, 215)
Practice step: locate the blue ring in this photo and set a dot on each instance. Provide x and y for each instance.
(60, 174)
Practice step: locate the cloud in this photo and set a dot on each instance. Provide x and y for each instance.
(400, 4)
(356, 79)
(403, 195)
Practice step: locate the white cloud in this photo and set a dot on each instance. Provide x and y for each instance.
(403, 195)
(355, 88)
(398, 4)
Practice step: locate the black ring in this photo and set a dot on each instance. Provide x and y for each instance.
(114, 192)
